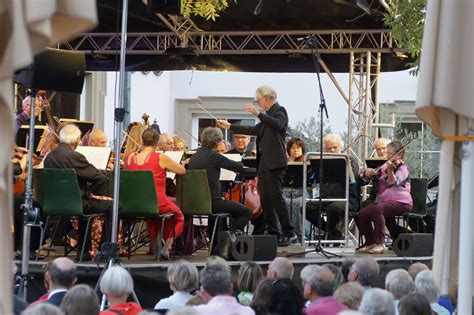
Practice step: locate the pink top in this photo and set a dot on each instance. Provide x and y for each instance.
(397, 189)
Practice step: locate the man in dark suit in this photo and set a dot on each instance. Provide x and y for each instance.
(60, 277)
(271, 161)
(92, 182)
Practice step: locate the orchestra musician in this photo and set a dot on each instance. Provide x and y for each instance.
(92, 182)
(241, 143)
(221, 147)
(208, 159)
(332, 143)
(393, 198)
(97, 138)
(133, 142)
(149, 159)
(271, 162)
(179, 143)
(166, 142)
(24, 117)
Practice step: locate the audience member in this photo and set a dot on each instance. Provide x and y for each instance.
(217, 261)
(280, 267)
(117, 284)
(184, 311)
(319, 290)
(277, 296)
(399, 283)
(414, 304)
(216, 290)
(415, 268)
(336, 272)
(43, 309)
(426, 286)
(60, 277)
(364, 270)
(346, 267)
(183, 279)
(80, 300)
(377, 302)
(249, 276)
(350, 294)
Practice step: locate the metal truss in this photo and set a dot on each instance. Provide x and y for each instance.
(184, 35)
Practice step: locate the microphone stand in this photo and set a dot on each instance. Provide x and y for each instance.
(318, 248)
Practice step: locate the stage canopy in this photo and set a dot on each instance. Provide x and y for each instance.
(252, 35)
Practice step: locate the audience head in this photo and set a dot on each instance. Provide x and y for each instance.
(414, 304)
(165, 142)
(70, 134)
(116, 283)
(320, 283)
(215, 280)
(346, 267)
(61, 274)
(415, 268)
(380, 146)
(307, 272)
(241, 142)
(134, 140)
(336, 272)
(221, 147)
(364, 270)
(210, 137)
(399, 283)
(217, 261)
(295, 149)
(266, 96)
(350, 294)
(80, 300)
(179, 143)
(333, 143)
(249, 276)
(394, 147)
(183, 311)
(183, 276)
(377, 302)
(424, 283)
(43, 309)
(280, 267)
(97, 138)
(277, 296)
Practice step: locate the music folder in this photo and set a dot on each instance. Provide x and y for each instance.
(97, 156)
(227, 175)
(84, 125)
(175, 156)
(23, 133)
(375, 162)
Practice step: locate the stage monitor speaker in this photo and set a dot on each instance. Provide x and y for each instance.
(54, 70)
(256, 248)
(413, 244)
(164, 6)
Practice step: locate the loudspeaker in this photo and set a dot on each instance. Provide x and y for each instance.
(257, 247)
(413, 244)
(164, 6)
(54, 70)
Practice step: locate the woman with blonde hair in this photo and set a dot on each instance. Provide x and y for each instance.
(134, 140)
(249, 276)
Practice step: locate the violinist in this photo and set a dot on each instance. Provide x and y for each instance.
(393, 198)
(179, 143)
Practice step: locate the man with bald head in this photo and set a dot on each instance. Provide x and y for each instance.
(60, 277)
(97, 138)
(318, 288)
(165, 142)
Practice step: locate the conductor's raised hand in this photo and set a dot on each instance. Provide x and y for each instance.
(223, 124)
(251, 109)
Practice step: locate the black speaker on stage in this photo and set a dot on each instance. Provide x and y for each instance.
(54, 70)
(257, 247)
(413, 244)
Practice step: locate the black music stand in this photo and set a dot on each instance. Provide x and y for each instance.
(375, 162)
(294, 179)
(22, 136)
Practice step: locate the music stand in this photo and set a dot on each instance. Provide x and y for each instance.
(22, 135)
(250, 161)
(293, 179)
(83, 125)
(375, 162)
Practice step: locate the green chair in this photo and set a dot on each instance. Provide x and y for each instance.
(193, 197)
(419, 192)
(57, 191)
(138, 200)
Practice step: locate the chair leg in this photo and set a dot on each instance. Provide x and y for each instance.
(43, 233)
(86, 236)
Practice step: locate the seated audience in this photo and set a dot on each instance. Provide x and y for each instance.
(364, 270)
(318, 289)
(415, 268)
(216, 290)
(350, 294)
(280, 267)
(346, 267)
(414, 304)
(183, 279)
(43, 309)
(393, 198)
(60, 277)
(399, 283)
(426, 286)
(277, 296)
(377, 302)
(182, 311)
(249, 276)
(336, 272)
(158, 163)
(117, 284)
(80, 300)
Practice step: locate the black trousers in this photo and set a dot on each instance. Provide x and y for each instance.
(334, 211)
(240, 213)
(270, 186)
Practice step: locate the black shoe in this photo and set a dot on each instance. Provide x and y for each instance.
(287, 240)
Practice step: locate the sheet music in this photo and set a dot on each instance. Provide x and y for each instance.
(97, 156)
(175, 156)
(227, 175)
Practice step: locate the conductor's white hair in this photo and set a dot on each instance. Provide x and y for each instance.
(334, 137)
(116, 281)
(266, 90)
(69, 134)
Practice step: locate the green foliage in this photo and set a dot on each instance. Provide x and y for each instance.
(309, 130)
(208, 9)
(406, 18)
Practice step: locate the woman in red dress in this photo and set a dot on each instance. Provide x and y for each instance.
(147, 159)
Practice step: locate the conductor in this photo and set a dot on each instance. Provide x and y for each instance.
(271, 162)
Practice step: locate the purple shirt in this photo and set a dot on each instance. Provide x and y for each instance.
(397, 189)
(326, 306)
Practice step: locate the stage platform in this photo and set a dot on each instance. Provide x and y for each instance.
(150, 275)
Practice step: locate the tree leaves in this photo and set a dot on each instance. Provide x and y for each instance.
(208, 9)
